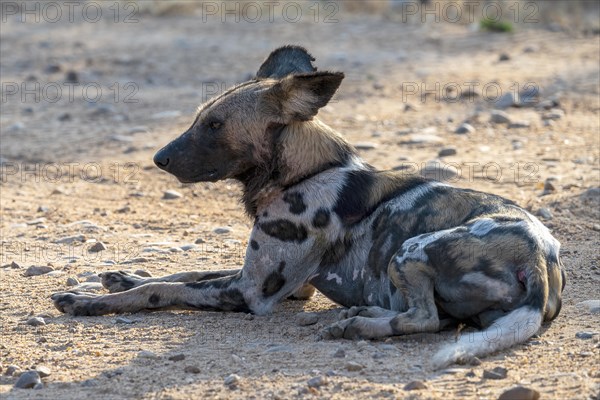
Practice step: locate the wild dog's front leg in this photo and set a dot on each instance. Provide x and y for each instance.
(119, 281)
(224, 294)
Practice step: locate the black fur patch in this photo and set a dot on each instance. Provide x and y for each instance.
(254, 244)
(154, 299)
(336, 251)
(296, 202)
(285, 230)
(321, 218)
(91, 308)
(273, 283)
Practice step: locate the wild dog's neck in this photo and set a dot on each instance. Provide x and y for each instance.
(301, 149)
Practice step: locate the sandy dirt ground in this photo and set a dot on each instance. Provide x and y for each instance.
(76, 172)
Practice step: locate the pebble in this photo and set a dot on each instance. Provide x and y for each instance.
(12, 370)
(14, 265)
(365, 146)
(503, 57)
(36, 270)
(171, 195)
(175, 250)
(339, 353)
(554, 114)
(166, 114)
(72, 281)
(592, 194)
(147, 354)
(307, 318)
(93, 279)
(519, 124)
(141, 272)
(496, 373)
(544, 213)
(549, 186)
(200, 241)
(506, 100)
(222, 230)
(353, 366)
(89, 287)
(415, 385)
(187, 247)
(317, 381)
(439, 171)
(585, 335)
(231, 380)
(36, 221)
(123, 320)
(517, 144)
(191, 369)
(71, 77)
(520, 393)
(592, 306)
(499, 117)
(28, 380)
(421, 138)
(70, 239)
(97, 247)
(43, 371)
(36, 321)
(465, 128)
(177, 357)
(447, 151)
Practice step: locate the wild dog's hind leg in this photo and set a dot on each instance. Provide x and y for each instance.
(119, 281)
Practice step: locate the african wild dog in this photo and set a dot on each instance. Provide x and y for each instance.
(406, 254)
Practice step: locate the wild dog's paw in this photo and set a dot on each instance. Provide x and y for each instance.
(346, 329)
(353, 312)
(78, 303)
(119, 281)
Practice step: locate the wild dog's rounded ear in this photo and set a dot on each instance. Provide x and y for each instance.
(299, 97)
(284, 61)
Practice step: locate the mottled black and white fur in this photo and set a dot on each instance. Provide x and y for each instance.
(403, 253)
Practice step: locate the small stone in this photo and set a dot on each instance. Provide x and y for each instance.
(43, 371)
(544, 213)
(200, 241)
(187, 247)
(339, 353)
(592, 306)
(520, 393)
(365, 146)
(175, 250)
(191, 369)
(36, 321)
(166, 114)
(353, 366)
(38, 386)
(410, 107)
(231, 380)
(72, 281)
(143, 273)
(123, 320)
(422, 138)
(52, 68)
(447, 151)
(549, 186)
(93, 279)
(97, 247)
(222, 230)
(147, 354)
(177, 357)
(465, 128)
(506, 100)
(70, 239)
(307, 318)
(592, 194)
(28, 380)
(519, 124)
(503, 57)
(554, 114)
(171, 195)
(14, 265)
(496, 373)
(36, 270)
(585, 335)
(71, 77)
(317, 381)
(475, 361)
(415, 385)
(12, 370)
(499, 117)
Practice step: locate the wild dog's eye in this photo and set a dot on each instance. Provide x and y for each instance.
(215, 125)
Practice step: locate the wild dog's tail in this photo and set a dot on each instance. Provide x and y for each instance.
(515, 327)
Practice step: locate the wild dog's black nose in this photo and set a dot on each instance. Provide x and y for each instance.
(161, 159)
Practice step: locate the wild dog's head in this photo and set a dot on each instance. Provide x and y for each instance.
(235, 132)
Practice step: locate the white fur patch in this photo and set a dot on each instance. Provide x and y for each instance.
(331, 276)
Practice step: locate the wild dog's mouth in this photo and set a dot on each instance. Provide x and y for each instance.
(210, 175)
